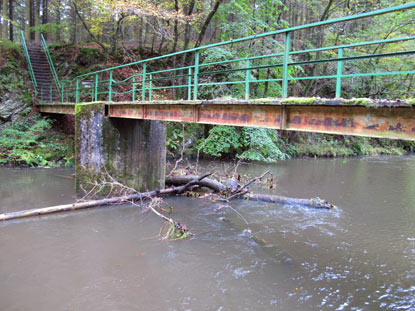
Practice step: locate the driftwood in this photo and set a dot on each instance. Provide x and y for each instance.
(314, 202)
(180, 185)
(243, 193)
(206, 182)
(96, 203)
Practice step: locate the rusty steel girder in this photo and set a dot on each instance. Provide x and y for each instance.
(57, 108)
(396, 122)
(385, 119)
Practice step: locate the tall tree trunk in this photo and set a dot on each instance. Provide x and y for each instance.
(187, 34)
(45, 14)
(32, 19)
(11, 36)
(73, 22)
(28, 16)
(175, 28)
(37, 21)
(140, 35)
(5, 17)
(318, 42)
(136, 31)
(147, 30)
(58, 20)
(207, 22)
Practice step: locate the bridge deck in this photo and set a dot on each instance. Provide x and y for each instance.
(360, 117)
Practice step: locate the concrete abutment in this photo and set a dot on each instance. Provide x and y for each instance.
(131, 151)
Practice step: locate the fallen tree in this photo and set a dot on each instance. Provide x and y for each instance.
(180, 184)
(94, 203)
(244, 193)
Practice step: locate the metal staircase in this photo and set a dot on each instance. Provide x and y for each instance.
(42, 71)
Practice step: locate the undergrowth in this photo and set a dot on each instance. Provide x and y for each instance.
(31, 141)
(267, 145)
(243, 143)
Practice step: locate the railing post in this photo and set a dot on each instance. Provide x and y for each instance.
(133, 89)
(196, 75)
(96, 87)
(77, 91)
(285, 65)
(247, 79)
(339, 74)
(110, 87)
(63, 90)
(143, 90)
(150, 95)
(92, 91)
(50, 93)
(189, 85)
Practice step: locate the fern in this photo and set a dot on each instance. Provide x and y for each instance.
(30, 141)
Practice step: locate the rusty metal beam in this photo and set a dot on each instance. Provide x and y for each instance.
(385, 119)
(57, 108)
(359, 117)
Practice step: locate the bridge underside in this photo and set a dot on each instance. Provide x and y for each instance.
(360, 117)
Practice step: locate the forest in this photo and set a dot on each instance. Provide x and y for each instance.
(84, 36)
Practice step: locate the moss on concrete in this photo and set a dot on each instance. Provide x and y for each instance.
(300, 100)
(360, 102)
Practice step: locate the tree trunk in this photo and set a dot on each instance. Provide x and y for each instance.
(207, 22)
(45, 9)
(58, 20)
(140, 35)
(27, 20)
(146, 34)
(175, 28)
(184, 183)
(37, 21)
(5, 22)
(11, 34)
(73, 23)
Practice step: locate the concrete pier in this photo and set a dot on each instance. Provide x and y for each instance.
(131, 151)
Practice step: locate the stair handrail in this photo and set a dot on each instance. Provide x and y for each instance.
(51, 66)
(26, 52)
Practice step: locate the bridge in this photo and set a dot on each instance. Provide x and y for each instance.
(118, 124)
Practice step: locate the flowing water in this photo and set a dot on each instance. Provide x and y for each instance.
(359, 256)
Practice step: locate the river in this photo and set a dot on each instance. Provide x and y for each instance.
(359, 256)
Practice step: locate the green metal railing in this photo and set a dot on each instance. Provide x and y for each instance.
(102, 85)
(29, 63)
(51, 66)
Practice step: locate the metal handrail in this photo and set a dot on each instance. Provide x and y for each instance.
(29, 63)
(106, 86)
(51, 66)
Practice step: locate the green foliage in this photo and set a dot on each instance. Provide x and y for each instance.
(174, 138)
(261, 145)
(324, 145)
(221, 140)
(49, 28)
(31, 141)
(244, 143)
(9, 45)
(12, 77)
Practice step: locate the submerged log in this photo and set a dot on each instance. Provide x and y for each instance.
(77, 206)
(314, 202)
(180, 185)
(206, 182)
(221, 188)
(95, 203)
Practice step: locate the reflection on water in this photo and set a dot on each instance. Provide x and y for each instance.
(360, 256)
